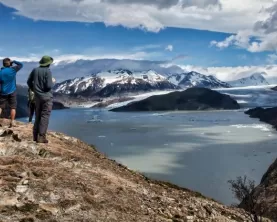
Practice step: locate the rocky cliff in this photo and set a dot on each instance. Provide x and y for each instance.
(190, 99)
(266, 194)
(265, 115)
(67, 180)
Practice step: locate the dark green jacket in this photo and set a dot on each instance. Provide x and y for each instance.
(41, 83)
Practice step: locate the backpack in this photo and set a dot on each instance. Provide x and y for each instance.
(31, 95)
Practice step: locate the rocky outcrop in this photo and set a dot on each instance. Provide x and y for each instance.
(274, 88)
(265, 115)
(67, 180)
(190, 99)
(266, 194)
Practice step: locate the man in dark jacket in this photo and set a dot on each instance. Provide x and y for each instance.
(40, 82)
(8, 86)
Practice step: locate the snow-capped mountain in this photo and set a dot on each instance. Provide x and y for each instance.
(69, 69)
(115, 82)
(195, 79)
(256, 79)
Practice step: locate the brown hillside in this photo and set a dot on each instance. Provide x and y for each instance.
(67, 180)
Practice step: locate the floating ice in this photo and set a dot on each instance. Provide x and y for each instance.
(254, 126)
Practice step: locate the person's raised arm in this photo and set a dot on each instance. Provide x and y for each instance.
(18, 66)
(30, 81)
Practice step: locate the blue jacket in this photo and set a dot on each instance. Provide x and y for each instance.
(8, 78)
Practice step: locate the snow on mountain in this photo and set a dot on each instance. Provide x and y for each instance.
(115, 82)
(256, 79)
(69, 69)
(195, 79)
(272, 80)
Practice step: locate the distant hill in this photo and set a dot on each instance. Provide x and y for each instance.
(190, 99)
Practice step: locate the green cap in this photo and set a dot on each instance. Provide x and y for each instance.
(46, 60)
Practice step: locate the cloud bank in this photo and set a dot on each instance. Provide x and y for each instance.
(262, 36)
(153, 15)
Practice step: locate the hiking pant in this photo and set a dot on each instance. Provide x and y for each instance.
(43, 111)
(32, 107)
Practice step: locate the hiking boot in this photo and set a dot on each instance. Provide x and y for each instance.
(12, 124)
(35, 137)
(41, 139)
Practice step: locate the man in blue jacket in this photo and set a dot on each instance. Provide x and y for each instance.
(8, 86)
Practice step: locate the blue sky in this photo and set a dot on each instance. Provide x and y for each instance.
(25, 36)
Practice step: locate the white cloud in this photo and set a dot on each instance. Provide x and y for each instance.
(215, 15)
(223, 44)
(169, 48)
(226, 73)
(169, 3)
(74, 57)
(146, 47)
(222, 73)
(262, 36)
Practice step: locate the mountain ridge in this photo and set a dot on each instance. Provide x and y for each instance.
(256, 79)
(195, 79)
(115, 82)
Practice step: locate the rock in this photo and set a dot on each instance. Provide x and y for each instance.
(58, 105)
(274, 88)
(49, 207)
(265, 115)
(190, 99)
(74, 182)
(189, 218)
(21, 188)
